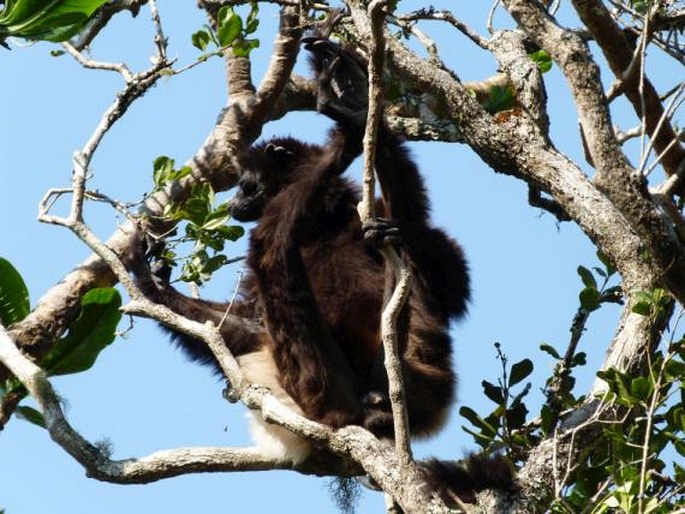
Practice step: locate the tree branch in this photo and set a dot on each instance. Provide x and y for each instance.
(212, 162)
(614, 176)
(431, 13)
(401, 274)
(635, 85)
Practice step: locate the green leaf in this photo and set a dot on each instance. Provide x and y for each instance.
(214, 263)
(679, 446)
(640, 389)
(675, 416)
(590, 299)
(499, 99)
(618, 384)
(600, 272)
(641, 6)
(231, 232)
(251, 26)
(54, 20)
(229, 25)
(613, 295)
(14, 296)
(252, 20)
(244, 47)
(162, 167)
(549, 349)
(517, 399)
(579, 359)
(610, 269)
(675, 371)
(483, 440)
(542, 59)
(547, 418)
(92, 331)
(587, 277)
(178, 174)
(493, 392)
(31, 415)
(196, 210)
(477, 421)
(642, 308)
(679, 473)
(214, 242)
(516, 416)
(217, 217)
(520, 371)
(201, 40)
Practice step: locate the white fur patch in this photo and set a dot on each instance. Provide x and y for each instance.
(260, 368)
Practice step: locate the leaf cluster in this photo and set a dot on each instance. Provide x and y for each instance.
(559, 387)
(501, 429)
(91, 332)
(231, 32)
(205, 224)
(631, 470)
(593, 294)
(52, 20)
(635, 466)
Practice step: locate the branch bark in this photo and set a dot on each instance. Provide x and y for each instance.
(398, 276)
(637, 87)
(238, 125)
(619, 218)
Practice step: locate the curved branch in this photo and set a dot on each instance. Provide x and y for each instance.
(213, 162)
(286, 48)
(638, 89)
(156, 466)
(614, 175)
(525, 76)
(401, 273)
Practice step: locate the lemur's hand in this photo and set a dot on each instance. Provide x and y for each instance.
(342, 93)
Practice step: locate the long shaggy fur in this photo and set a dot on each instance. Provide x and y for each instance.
(465, 478)
(318, 285)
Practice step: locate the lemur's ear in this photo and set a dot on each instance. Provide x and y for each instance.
(280, 154)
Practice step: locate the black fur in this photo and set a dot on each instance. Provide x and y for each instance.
(465, 478)
(318, 282)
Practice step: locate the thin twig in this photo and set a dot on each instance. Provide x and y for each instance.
(666, 116)
(431, 13)
(101, 18)
(160, 39)
(627, 135)
(491, 15)
(654, 403)
(120, 68)
(376, 11)
(236, 290)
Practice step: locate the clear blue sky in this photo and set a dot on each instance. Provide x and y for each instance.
(142, 395)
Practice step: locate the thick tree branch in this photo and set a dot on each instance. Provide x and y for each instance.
(614, 175)
(102, 18)
(518, 147)
(638, 88)
(238, 125)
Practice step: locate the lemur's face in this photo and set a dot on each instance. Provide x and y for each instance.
(265, 171)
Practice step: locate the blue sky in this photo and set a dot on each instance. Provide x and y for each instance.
(142, 395)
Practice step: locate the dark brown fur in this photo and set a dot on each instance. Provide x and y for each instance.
(318, 282)
(321, 286)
